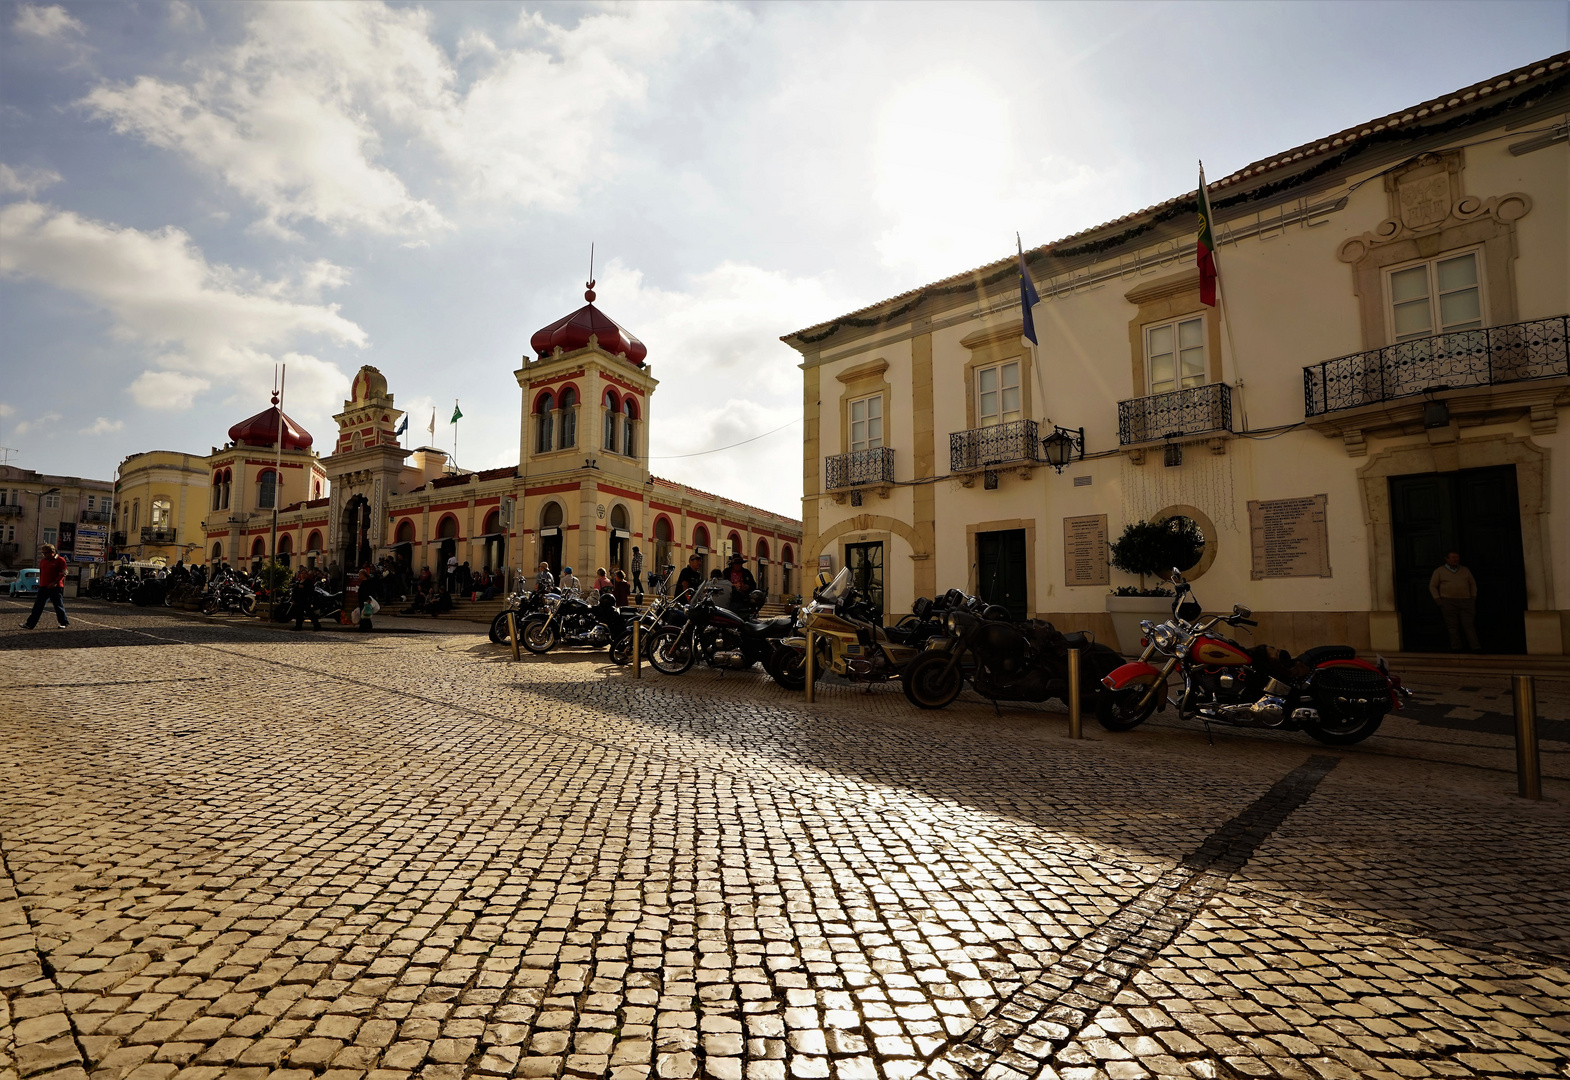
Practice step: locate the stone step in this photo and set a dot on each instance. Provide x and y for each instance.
(1473, 664)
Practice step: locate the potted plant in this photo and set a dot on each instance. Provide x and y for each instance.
(1149, 549)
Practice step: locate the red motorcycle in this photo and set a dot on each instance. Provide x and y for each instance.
(1327, 691)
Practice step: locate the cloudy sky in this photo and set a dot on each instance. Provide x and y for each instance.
(191, 193)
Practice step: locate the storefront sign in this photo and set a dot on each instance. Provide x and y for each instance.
(1289, 537)
(1085, 551)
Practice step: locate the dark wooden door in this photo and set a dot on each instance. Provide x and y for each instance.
(1000, 570)
(1475, 512)
(866, 571)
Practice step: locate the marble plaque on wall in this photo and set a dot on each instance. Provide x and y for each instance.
(1289, 537)
(1085, 551)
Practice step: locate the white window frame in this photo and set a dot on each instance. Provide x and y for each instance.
(1435, 327)
(51, 502)
(51, 536)
(1019, 389)
(868, 443)
(1178, 377)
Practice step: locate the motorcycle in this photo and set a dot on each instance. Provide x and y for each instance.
(661, 611)
(1003, 660)
(1326, 691)
(850, 643)
(569, 621)
(229, 594)
(719, 636)
(520, 604)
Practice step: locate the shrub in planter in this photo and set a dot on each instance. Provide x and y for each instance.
(1153, 548)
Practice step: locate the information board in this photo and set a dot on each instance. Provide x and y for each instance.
(91, 542)
(1085, 551)
(1289, 538)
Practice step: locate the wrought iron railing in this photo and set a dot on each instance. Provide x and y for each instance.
(1179, 413)
(1500, 354)
(100, 517)
(117, 539)
(11, 510)
(1000, 444)
(10, 548)
(156, 535)
(859, 467)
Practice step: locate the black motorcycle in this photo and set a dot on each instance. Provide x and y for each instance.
(572, 623)
(520, 605)
(661, 611)
(1002, 659)
(716, 635)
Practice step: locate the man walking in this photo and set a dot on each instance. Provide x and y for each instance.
(51, 587)
(1455, 591)
(637, 575)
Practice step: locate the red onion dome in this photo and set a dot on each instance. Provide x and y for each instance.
(262, 430)
(574, 331)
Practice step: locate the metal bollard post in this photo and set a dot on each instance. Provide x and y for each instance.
(512, 632)
(1529, 771)
(637, 648)
(1075, 727)
(812, 648)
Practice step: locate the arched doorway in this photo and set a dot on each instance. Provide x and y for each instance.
(258, 554)
(285, 549)
(446, 543)
(663, 535)
(356, 526)
(700, 547)
(218, 552)
(621, 539)
(494, 556)
(787, 558)
(550, 536)
(763, 565)
(313, 548)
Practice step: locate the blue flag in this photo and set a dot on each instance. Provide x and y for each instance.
(403, 426)
(1028, 298)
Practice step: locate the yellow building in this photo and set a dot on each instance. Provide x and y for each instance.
(41, 508)
(1384, 382)
(160, 503)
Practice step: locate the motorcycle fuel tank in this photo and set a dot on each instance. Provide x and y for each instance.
(1216, 652)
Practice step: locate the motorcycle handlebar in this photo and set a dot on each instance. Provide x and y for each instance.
(1244, 622)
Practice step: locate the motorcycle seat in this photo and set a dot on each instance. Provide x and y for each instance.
(782, 623)
(1312, 658)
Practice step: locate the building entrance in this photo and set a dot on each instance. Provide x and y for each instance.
(1000, 570)
(865, 562)
(1475, 512)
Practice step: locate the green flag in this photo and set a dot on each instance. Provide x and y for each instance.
(457, 413)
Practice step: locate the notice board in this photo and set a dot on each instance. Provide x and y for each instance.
(1289, 537)
(1085, 551)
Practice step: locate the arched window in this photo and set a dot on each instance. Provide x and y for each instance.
(285, 548)
(136, 514)
(266, 489)
(611, 410)
(763, 565)
(621, 539)
(448, 529)
(700, 537)
(314, 541)
(629, 442)
(493, 523)
(763, 549)
(160, 512)
(318, 489)
(218, 551)
(228, 484)
(569, 418)
(542, 422)
(405, 532)
(663, 534)
(787, 557)
(735, 545)
(258, 549)
(218, 490)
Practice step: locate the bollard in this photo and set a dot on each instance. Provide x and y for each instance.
(1529, 772)
(512, 632)
(1075, 727)
(812, 648)
(637, 652)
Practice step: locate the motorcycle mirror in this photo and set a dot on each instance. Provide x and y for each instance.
(1241, 612)
(1177, 577)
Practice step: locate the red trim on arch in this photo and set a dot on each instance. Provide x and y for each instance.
(541, 396)
(456, 524)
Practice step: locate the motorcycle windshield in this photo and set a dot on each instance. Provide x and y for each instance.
(835, 590)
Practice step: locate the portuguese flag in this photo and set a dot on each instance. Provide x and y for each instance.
(1205, 249)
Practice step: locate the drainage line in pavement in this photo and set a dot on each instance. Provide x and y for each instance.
(48, 1054)
(1042, 1016)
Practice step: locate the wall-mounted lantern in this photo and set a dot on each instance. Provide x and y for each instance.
(1061, 446)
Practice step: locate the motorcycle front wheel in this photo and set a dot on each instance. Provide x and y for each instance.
(670, 652)
(248, 605)
(931, 682)
(1120, 710)
(499, 634)
(788, 667)
(621, 650)
(537, 636)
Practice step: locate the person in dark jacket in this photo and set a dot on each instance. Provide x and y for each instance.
(303, 599)
(691, 577)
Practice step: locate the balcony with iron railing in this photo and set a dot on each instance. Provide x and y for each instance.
(157, 534)
(859, 468)
(117, 539)
(1199, 410)
(11, 510)
(1517, 352)
(1011, 445)
(97, 517)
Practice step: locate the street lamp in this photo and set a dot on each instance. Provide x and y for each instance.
(38, 526)
(1060, 446)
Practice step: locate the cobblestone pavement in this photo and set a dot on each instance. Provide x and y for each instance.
(229, 851)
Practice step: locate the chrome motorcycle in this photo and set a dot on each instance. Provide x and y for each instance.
(1327, 691)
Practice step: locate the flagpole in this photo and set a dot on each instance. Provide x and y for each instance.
(1035, 359)
(455, 434)
(272, 575)
(1221, 298)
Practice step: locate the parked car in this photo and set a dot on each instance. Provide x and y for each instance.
(26, 583)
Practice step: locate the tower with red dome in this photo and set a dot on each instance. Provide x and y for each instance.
(249, 477)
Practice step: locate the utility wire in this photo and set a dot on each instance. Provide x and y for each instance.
(732, 446)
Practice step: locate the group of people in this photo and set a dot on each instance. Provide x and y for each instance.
(730, 587)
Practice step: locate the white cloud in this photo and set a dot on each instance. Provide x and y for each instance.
(208, 325)
(329, 112)
(34, 423)
(27, 180)
(103, 426)
(52, 21)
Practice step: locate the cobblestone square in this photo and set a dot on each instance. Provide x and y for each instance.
(237, 852)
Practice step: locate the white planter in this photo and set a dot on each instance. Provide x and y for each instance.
(1127, 612)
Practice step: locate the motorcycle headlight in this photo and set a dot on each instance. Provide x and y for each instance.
(948, 622)
(1164, 637)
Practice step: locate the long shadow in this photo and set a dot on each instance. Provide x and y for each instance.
(155, 627)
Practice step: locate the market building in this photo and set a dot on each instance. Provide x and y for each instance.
(1384, 381)
(581, 494)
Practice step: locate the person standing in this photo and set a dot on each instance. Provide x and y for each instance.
(569, 584)
(637, 574)
(51, 587)
(544, 580)
(302, 599)
(1454, 589)
(691, 577)
(621, 589)
(452, 572)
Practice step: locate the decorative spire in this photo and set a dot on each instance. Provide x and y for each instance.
(588, 286)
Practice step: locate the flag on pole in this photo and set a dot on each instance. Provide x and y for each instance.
(1028, 297)
(403, 426)
(1205, 248)
(457, 414)
(432, 428)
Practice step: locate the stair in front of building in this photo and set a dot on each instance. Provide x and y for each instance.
(480, 611)
(1472, 664)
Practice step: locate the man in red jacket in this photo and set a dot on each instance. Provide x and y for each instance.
(51, 587)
